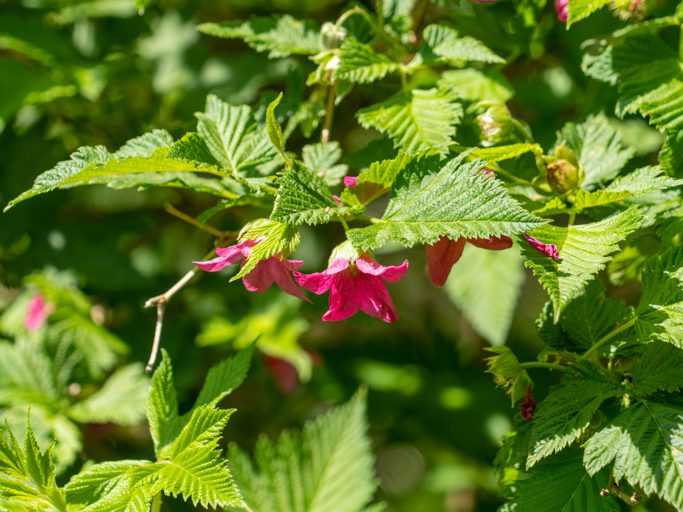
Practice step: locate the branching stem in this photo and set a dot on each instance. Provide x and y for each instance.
(194, 222)
(539, 364)
(608, 337)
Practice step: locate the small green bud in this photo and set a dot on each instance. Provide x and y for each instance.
(498, 127)
(564, 173)
(332, 35)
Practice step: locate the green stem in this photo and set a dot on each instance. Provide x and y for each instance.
(608, 337)
(356, 10)
(156, 503)
(344, 223)
(572, 218)
(539, 364)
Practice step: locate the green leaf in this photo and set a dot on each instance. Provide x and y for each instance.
(162, 405)
(456, 201)
(485, 285)
(566, 413)
(304, 198)
(659, 368)
(500, 153)
(120, 400)
(273, 128)
(420, 120)
(234, 138)
(359, 63)
(507, 373)
(375, 180)
(561, 484)
(329, 467)
(280, 36)
(224, 377)
(580, 9)
(645, 443)
(441, 43)
(145, 145)
(477, 84)
(584, 250)
(659, 314)
(639, 183)
(277, 238)
(322, 159)
(597, 146)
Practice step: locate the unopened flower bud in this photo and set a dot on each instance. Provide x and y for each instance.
(562, 10)
(498, 127)
(563, 171)
(332, 35)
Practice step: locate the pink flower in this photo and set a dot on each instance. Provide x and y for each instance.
(355, 285)
(37, 313)
(273, 270)
(549, 249)
(445, 253)
(562, 10)
(350, 181)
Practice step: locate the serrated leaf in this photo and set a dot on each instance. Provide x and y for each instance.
(659, 368)
(234, 138)
(580, 9)
(277, 238)
(485, 285)
(659, 314)
(565, 414)
(507, 373)
(100, 480)
(224, 377)
(584, 250)
(322, 159)
(500, 153)
(359, 63)
(645, 445)
(597, 146)
(420, 120)
(120, 400)
(442, 43)
(145, 145)
(477, 85)
(304, 198)
(375, 180)
(273, 128)
(280, 36)
(162, 405)
(329, 468)
(430, 200)
(561, 484)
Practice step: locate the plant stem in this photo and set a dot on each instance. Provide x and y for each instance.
(355, 10)
(156, 503)
(194, 222)
(418, 14)
(343, 223)
(608, 337)
(329, 114)
(572, 218)
(539, 364)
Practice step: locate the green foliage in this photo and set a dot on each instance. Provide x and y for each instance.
(583, 249)
(507, 373)
(426, 205)
(359, 63)
(442, 43)
(420, 120)
(486, 285)
(276, 238)
(327, 467)
(322, 159)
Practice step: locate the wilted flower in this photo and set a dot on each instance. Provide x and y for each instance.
(273, 270)
(549, 249)
(528, 406)
(37, 312)
(353, 285)
(442, 255)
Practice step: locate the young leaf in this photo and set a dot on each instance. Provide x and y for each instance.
(162, 405)
(500, 153)
(277, 237)
(322, 160)
(485, 285)
(375, 180)
(420, 120)
(507, 373)
(584, 250)
(224, 377)
(562, 484)
(457, 200)
(476, 84)
(273, 128)
(304, 198)
(329, 467)
(359, 63)
(565, 414)
(598, 148)
(280, 36)
(441, 43)
(645, 443)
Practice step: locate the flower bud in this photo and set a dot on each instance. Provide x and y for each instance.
(498, 127)
(632, 9)
(562, 10)
(332, 35)
(563, 171)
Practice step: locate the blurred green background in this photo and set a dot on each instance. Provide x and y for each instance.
(103, 71)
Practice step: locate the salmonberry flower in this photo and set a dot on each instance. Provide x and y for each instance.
(445, 253)
(549, 249)
(350, 181)
(37, 313)
(273, 270)
(562, 10)
(355, 284)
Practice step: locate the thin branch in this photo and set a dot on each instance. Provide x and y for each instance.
(540, 364)
(194, 222)
(608, 337)
(329, 114)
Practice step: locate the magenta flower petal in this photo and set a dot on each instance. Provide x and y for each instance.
(274, 271)
(37, 313)
(227, 256)
(320, 282)
(350, 181)
(549, 249)
(342, 304)
(562, 10)
(494, 243)
(390, 273)
(441, 257)
(373, 298)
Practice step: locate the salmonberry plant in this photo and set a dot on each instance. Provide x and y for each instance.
(453, 170)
